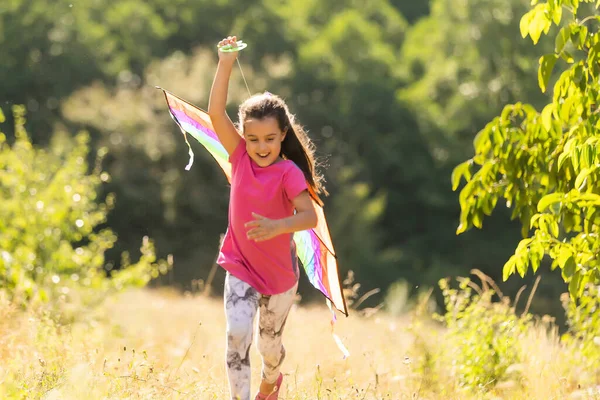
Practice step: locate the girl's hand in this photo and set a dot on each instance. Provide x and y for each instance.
(262, 228)
(228, 56)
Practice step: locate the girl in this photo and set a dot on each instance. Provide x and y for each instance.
(272, 168)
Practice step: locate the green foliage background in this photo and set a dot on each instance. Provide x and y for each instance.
(544, 164)
(52, 238)
(392, 91)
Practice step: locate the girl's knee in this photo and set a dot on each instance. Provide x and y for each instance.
(235, 337)
(271, 351)
(239, 334)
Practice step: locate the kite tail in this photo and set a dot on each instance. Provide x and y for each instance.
(190, 152)
(336, 338)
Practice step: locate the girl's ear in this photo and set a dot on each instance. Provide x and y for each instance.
(283, 134)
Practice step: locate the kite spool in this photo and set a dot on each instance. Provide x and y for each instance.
(228, 48)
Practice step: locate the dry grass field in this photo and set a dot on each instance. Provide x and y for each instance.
(156, 344)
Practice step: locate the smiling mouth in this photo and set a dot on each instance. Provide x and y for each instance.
(263, 155)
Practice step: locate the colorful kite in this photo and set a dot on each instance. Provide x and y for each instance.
(314, 246)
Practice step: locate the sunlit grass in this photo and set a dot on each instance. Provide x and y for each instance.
(161, 345)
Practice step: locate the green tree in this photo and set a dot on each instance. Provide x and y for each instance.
(545, 164)
(50, 50)
(51, 234)
(461, 64)
(464, 62)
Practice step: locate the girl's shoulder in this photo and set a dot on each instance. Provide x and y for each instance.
(288, 163)
(288, 166)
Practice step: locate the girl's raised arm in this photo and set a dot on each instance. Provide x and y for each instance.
(226, 131)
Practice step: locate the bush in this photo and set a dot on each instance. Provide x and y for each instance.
(483, 335)
(51, 240)
(583, 319)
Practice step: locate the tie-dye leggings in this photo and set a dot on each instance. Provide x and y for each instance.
(241, 303)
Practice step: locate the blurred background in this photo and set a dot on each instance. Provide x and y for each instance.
(391, 91)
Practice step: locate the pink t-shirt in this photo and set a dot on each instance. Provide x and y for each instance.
(270, 266)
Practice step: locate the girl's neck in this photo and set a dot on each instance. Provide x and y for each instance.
(277, 161)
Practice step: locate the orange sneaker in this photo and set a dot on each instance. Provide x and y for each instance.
(274, 394)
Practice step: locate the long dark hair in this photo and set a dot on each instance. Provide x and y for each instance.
(296, 146)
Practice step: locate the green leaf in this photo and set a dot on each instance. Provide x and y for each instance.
(575, 4)
(539, 23)
(521, 264)
(594, 277)
(462, 169)
(578, 73)
(545, 70)
(580, 180)
(557, 15)
(585, 157)
(562, 38)
(525, 22)
(563, 256)
(482, 139)
(534, 220)
(529, 109)
(522, 256)
(565, 55)
(565, 110)
(497, 135)
(575, 35)
(507, 111)
(549, 199)
(576, 157)
(537, 253)
(590, 154)
(547, 117)
(583, 33)
(464, 224)
(477, 218)
(553, 225)
(568, 222)
(523, 245)
(562, 158)
(574, 285)
(568, 269)
(465, 196)
(581, 37)
(543, 223)
(583, 281)
(489, 204)
(591, 197)
(509, 268)
(590, 219)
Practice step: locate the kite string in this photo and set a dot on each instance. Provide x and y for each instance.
(243, 77)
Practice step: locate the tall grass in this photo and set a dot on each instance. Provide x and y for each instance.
(157, 344)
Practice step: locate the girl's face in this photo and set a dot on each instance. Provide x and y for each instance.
(263, 140)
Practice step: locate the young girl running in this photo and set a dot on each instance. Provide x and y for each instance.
(272, 161)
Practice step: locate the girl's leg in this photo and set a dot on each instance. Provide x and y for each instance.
(273, 314)
(241, 303)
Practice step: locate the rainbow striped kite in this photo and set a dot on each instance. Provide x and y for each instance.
(314, 246)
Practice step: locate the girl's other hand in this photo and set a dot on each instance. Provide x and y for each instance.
(262, 228)
(228, 56)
